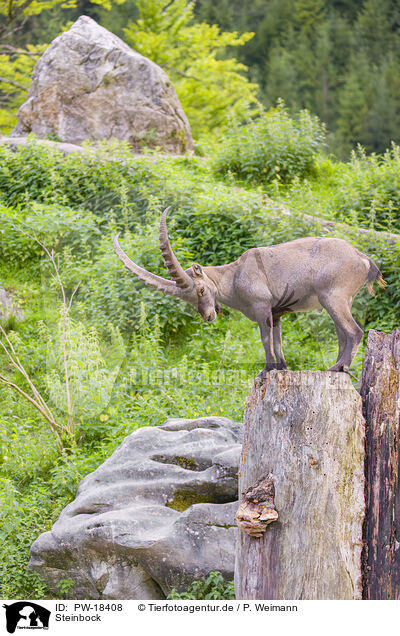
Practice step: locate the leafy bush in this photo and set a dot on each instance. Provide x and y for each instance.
(23, 515)
(369, 191)
(57, 226)
(274, 146)
(55, 196)
(218, 235)
(214, 587)
(103, 182)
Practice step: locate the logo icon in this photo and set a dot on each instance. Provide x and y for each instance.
(26, 615)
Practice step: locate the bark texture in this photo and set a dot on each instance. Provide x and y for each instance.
(380, 391)
(305, 431)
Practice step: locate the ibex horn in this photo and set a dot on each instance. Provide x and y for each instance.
(162, 284)
(175, 269)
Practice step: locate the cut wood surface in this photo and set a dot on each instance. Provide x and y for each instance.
(380, 391)
(305, 430)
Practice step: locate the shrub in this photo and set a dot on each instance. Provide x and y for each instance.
(92, 181)
(90, 380)
(217, 235)
(55, 225)
(23, 515)
(369, 191)
(214, 587)
(274, 146)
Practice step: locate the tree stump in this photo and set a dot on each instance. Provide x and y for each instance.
(380, 391)
(302, 475)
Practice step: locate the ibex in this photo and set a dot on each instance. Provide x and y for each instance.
(265, 283)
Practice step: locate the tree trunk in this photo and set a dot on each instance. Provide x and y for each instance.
(301, 472)
(380, 391)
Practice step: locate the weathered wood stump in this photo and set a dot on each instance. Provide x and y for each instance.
(303, 463)
(380, 391)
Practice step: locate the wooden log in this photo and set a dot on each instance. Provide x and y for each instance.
(303, 462)
(380, 391)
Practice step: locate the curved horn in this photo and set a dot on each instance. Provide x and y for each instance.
(162, 284)
(174, 267)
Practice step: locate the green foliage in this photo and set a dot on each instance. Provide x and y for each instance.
(90, 380)
(15, 71)
(214, 587)
(65, 588)
(23, 514)
(171, 363)
(369, 192)
(58, 226)
(274, 146)
(210, 85)
(93, 182)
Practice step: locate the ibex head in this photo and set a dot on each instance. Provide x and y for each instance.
(192, 285)
(206, 292)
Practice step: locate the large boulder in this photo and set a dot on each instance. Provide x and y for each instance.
(156, 515)
(90, 85)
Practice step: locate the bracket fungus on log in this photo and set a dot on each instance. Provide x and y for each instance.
(257, 508)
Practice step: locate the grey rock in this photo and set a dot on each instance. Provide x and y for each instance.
(154, 516)
(89, 84)
(9, 307)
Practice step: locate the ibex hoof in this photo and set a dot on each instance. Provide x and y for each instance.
(339, 368)
(270, 367)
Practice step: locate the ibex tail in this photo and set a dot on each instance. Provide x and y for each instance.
(374, 274)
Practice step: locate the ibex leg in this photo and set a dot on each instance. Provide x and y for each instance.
(348, 331)
(277, 336)
(267, 338)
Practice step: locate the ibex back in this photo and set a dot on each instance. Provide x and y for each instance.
(265, 283)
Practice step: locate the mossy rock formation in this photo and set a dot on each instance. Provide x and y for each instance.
(156, 515)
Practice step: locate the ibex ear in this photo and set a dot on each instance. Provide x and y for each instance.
(197, 270)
